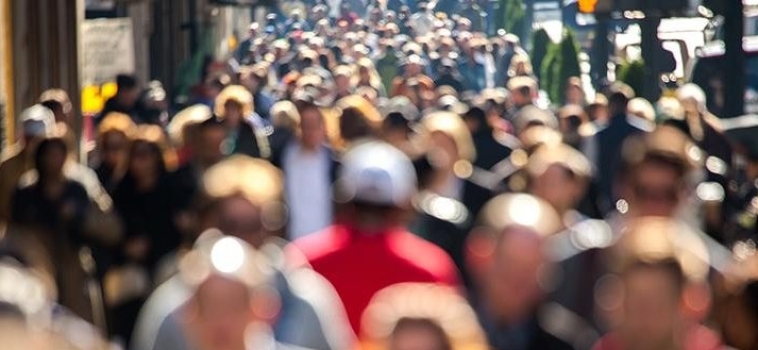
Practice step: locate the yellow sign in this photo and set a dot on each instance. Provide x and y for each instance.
(94, 97)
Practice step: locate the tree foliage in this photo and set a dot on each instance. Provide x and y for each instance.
(540, 44)
(560, 64)
(632, 73)
(511, 16)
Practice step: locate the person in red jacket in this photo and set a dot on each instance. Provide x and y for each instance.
(370, 249)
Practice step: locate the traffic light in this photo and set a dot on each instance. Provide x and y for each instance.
(587, 6)
(608, 6)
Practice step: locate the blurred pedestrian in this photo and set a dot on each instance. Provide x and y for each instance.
(243, 197)
(37, 123)
(660, 269)
(56, 209)
(368, 249)
(233, 107)
(114, 137)
(742, 223)
(656, 174)
(450, 153)
(574, 92)
(609, 141)
(507, 259)
(125, 100)
(413, 84)
(309, 167)
(420, 316)
(145, 200)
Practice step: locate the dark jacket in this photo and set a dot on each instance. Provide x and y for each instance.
(250, 142)
(610, 141)
(58, 227)
(151, 215)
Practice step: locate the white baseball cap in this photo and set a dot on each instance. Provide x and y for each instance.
(377, 173)
(38, 121)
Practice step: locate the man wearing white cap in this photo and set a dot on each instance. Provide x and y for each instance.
(369, 249)
(37, 123)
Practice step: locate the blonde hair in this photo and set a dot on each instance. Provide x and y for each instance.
(154, 135)
(439, 305)
(285, 114)
(117, 122)
(454, 127)
(520, 59)
(235, 93)
(374, 80)
(256, 180)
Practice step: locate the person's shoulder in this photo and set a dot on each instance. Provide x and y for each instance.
(425, 256)
(318, 245)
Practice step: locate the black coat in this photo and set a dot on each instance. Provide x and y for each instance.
(151, 215)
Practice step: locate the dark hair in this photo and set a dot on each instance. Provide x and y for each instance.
(126, 82)
(354, 124)
(212, 122)
(52, 105)
(155, 149)
(670, 266)
(408, 323)
(43, 148)
(524, 91)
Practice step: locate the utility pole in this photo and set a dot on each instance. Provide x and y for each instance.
(600, 50)
(734, 59)
(651, 47)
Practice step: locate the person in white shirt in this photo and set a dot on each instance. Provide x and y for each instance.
(308, 166)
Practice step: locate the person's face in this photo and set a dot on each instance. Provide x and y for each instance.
(342, 82)
(574, 94)
(558, 187)
(521, 69)
(115, 149)
(129, 97)
(144, 161)
(53, 160)
(599, 113)
(656, 190)
(223, 314)
(311, 128)
(242, 219)
(364, 74)
(413, 69)
(651, 305)
(519, 99)
(512, 279)
(415, 338)
(232, 113)
(209, 145)
(446, 151)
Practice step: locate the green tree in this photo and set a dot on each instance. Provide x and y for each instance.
(560, 64)
(511, 16)
(569, 63)
(540, 44)
(632, 73)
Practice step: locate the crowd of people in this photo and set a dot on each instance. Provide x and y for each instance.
(380, 179)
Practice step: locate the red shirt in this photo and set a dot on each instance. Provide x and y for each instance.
(360, 265)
